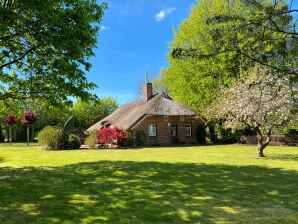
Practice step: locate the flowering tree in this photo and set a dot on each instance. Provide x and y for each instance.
(111, 135)
(11, 120)
(260, 101)
(28, 119)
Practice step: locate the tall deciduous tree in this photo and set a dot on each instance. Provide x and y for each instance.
(260, 101)
(89, 112)
(45, 46)
(222, 37)
(263, 32)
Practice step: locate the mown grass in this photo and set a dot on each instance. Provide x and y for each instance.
(202, 184)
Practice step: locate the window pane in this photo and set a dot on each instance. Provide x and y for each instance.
(188, 130)
(152, 130)
(174, 130)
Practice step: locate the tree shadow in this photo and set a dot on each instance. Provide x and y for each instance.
(147, 192)
(283, 157)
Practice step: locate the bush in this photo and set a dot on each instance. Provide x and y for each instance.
(141, 138)
(52, 137)
(129, 141)
(201, 134)
(91, 140)
(73, 142)
(112, 135)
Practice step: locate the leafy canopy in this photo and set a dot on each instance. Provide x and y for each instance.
(89, 112)
(220, 38)
(45, 46)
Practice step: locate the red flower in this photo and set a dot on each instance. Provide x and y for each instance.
(11, 119)
(28, 118)
(112, 135)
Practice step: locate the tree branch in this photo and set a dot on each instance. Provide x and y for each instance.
(180, 53)
(19, 58)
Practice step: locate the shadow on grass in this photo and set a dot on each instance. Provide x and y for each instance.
(283, 157)
(147, 192)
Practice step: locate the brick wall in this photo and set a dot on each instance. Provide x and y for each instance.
(163, 130)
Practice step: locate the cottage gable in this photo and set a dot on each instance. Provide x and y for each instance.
(128, 115)
(162, 119)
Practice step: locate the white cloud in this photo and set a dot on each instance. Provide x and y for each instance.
(163, 13)
(104, 28)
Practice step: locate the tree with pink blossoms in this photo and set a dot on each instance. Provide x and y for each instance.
(28, 119)
(10, 120)
(260, 100)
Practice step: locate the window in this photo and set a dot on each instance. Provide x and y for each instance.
(174, 130)
(181, 118)
(152, 130)
(188, 130)
(107, 125)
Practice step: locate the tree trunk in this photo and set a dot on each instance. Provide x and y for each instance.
(10, 135)
(262, 145)
(261, 148)
(28, 135)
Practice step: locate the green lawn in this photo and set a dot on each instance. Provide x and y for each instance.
(203, 184)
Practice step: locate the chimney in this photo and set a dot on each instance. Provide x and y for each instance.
(147, 91)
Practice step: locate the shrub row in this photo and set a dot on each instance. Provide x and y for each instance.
(55, 138)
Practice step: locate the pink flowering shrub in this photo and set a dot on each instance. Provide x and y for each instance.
(28, 118)
(11, 119)
(111, 135)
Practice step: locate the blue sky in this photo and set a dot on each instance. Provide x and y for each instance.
(134, 39)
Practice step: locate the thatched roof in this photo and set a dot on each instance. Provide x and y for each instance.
(129, 115)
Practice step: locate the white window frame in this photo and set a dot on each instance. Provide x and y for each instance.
(152, 130)
(188, 130)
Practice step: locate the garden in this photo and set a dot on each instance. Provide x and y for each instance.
(197, 184)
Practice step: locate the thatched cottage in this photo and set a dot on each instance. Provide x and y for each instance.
(158, 117)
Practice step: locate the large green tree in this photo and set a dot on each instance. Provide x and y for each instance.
(89, 112)
(45, 46)
(220, 38)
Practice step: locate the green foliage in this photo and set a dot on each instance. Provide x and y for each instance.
(1, 134)
(228, 136)
(141, 138)
(201, 134)
(69, 124)
(222, 37)
(52, 138)
(45, 47)
(89, 112)
(129, 141)
(199, 77)
(177, 141)
(92, 139)
(158, 84)
(73, 142)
